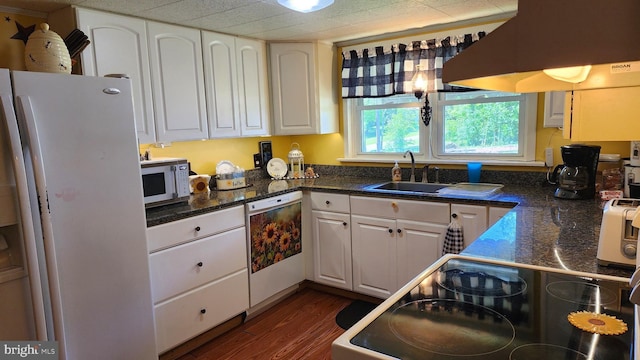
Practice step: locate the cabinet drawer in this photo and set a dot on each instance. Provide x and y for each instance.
(434, 212)
(182, 318)
(330, 202)
(181, 231)
(190, 265)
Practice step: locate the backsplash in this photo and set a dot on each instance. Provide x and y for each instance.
(445, 175)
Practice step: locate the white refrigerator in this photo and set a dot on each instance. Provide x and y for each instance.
(73, 252)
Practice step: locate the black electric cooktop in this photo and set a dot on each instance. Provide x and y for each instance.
(476, 310)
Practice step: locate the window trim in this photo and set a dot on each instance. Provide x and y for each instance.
(352, 152)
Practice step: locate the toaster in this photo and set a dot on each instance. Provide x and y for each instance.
(618, 242)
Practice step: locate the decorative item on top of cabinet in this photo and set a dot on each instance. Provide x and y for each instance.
(304, 88)
(236, 85)
(45, 51)
(602, 115)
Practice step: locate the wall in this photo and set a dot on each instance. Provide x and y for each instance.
(204, 155)
(12, 50)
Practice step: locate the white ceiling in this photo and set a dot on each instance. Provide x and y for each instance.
(265, 19)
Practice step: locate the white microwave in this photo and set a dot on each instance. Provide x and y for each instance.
(165, 181)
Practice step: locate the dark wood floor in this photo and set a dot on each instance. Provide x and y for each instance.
(302, 326)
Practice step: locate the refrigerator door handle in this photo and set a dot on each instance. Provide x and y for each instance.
(39, 291)
(24, 108)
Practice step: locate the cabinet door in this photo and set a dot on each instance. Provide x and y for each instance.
(219, 54)
(603, 115)
(252, 87)
(473, 219)
(554, 108)
(178, 82)
(419, 245)
(293, 88)
(373, 242)
(496, 213)
(332, 249)
(119, 46)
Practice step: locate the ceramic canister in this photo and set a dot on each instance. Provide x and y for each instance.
(45, 51)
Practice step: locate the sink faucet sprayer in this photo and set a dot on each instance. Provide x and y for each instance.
(413, 165)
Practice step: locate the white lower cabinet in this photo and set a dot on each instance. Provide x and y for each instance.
(473, 219)
(199, 275)
(374, 255)
(331, 240)
(199, 310)
(496, 213)
(419, 245)
(394, 240)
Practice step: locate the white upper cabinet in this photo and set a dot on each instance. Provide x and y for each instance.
(554, 109)
(304, 99)
(252, 86)
(119, 46)
(221, 83)
(235, 79)
(178, 82)
(602, 115)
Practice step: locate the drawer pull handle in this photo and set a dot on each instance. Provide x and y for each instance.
(203, 311)
(200, 264)
(344, 223)
(390, 231)
(197, 228)
(327, 202)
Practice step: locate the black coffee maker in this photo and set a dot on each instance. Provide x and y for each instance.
(576, 178)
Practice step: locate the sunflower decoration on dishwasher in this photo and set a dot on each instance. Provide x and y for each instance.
(602, 324)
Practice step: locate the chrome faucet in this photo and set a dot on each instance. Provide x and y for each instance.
(425, 170)
(413, 165)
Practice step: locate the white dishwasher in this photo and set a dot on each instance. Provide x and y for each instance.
(274, 245)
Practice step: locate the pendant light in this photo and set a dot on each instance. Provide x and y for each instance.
(305, 6)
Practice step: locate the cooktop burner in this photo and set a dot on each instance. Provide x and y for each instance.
(545, 351)
(481, 310)
(582, 293)
(492, 331)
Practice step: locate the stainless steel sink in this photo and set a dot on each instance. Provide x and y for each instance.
(406, 186)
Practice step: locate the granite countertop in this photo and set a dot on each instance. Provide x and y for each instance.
(540, 229)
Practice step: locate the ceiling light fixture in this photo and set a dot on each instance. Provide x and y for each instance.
(305, 6)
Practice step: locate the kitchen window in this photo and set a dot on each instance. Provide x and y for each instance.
(491, 126)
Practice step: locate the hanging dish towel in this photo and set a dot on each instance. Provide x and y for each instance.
(453, 240)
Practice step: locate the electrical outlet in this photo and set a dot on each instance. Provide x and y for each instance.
(548, 157)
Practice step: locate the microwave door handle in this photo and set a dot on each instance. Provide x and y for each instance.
(174, 169)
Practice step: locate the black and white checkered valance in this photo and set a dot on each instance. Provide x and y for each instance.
(378, 72)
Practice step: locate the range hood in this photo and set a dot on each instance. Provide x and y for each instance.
(551, 34)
